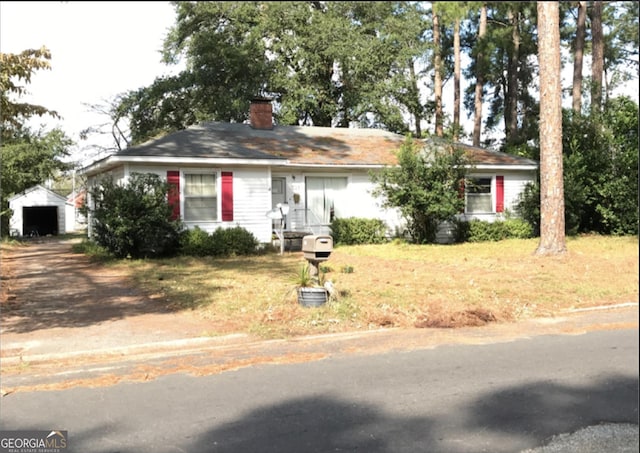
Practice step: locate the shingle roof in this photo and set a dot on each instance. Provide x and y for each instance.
(482, 156)
(300, 145)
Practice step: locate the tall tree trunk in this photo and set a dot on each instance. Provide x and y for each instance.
(414, 86)
(597, 66)
(578, 53)
(456, 80)
(477, 105)
(511, 101)
(552, 224)
(438, 74)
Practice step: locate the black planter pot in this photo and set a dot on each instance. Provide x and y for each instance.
(312, 296)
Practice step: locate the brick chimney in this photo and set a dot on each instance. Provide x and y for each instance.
(261, 113)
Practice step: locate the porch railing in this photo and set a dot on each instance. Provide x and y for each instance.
(311, 221)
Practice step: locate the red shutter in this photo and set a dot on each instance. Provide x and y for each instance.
(499, 193)
(173, 178)
(227, 196)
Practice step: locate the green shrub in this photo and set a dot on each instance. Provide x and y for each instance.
(196, 242)
(233, 242)
(354, 231)
(528, 206)
(519, 229)
(482, 231)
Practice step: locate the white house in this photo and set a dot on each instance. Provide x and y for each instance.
(232, 174)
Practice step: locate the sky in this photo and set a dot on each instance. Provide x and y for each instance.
(98, 50)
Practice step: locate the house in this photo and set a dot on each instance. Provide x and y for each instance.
(75, 218)
(39, 211)
(232, 174)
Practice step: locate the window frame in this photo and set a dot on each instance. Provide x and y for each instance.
(491, 195)
(183, 197)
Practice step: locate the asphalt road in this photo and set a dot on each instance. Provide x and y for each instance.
(501, 397)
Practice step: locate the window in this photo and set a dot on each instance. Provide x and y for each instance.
(200, 197)
(326, 199)
(479, 197)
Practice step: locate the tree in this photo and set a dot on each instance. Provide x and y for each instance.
(600, 173)
(32, 159)
(513, 69)
(27, 157)
(168, 104)
(397, 96)
(437, 71)
(597, 64)
(456, 81)
(621, 44)
(451, 15)
(425, 186)
(324, 64)
(552, 222)
(14, 70)
(618, 195)
(501, 62)
(578, 53)
(479, 75)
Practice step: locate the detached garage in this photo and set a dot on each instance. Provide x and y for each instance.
(37, 212)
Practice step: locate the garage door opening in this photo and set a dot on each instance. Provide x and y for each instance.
(39, 220)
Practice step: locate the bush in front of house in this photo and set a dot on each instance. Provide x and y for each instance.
(196, 242)
(134, 220)
(425, 186)
(355, 230)
(234, 241)
(482, 231)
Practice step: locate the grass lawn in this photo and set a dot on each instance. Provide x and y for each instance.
(396, 285)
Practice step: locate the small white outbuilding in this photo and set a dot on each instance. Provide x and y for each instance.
(38, 211)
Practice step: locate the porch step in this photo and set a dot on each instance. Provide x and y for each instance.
(292, 240)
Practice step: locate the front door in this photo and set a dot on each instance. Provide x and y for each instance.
(278, 195)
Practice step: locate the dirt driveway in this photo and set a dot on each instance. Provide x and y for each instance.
(57, 300)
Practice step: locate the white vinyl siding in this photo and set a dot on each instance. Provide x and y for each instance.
(252, 200)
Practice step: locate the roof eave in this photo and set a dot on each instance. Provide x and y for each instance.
(112, 161)
(348, 166)
(529, 167)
